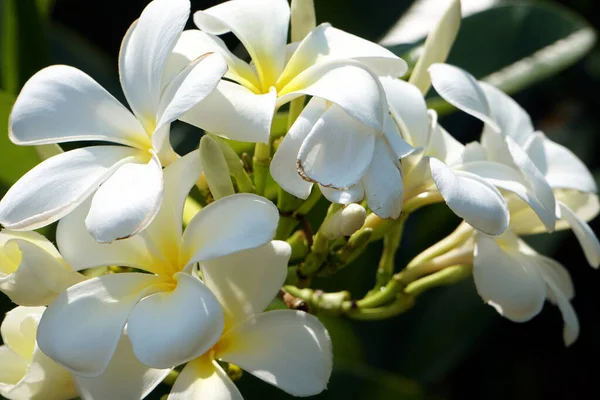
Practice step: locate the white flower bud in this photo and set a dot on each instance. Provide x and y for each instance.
(303, 18)
(27, 372)
(344, 222)
(215, 168)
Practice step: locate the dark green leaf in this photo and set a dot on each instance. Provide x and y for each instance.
(14, 160)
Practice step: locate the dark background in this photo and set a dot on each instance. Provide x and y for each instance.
(451, 345)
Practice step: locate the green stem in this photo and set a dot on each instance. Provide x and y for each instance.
(398, 306)
(260, 163)
(452, 241)
(285, 227)
(391, 242)
(310, 202)
(296, 107)
(445, 277)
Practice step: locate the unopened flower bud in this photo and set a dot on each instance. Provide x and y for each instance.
(215, 169)
(344, 222)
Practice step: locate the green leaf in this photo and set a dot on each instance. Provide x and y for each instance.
(14, 160)
(23, 43)
(513, 46)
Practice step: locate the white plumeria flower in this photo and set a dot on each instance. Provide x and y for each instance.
(502, 139)
(319, 148)
(25, 372)
(63, 104)
(288, 349)
(171, 316)
(322, 65)
(515, 280)
(32, 271)
(559, 184)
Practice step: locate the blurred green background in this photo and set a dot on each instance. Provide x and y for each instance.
(450, 346)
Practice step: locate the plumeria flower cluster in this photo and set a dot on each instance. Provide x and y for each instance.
(167, 265)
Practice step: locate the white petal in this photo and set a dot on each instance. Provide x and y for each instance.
(508, 281)
(82, 327)
(353, 194)
(170, 328)
(444, 146)
(58, 185)
(39, 277)
(558, 276)
(190, 87)
(62, 104)
(247, 281)
(363, 100)
(12, 369)
(194, 43)
(507, 178)
(338, 150)
(261, 26)
(127, 202)
(288, 349)
(471, 198)
(586, 236)
(540, 186)
(144, 53)
(234, 112)
(204, 379)
(437, 45)
(511, 118)
(283, 166)
(19, 329)
(462, 90)
(561, 168)
(383, 183)
(81, 250)
(166, 229)
(233, 223)
(124, 378)
(397, 145)
(45, 379)
(408, 108)
(326, 42)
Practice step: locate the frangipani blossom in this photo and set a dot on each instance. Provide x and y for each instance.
(25, 372)
(32, 271)
(321, 147)
(560, 185)
(515, 280)
(288, 349)
(62, 104)
(322, 65)
(171, 316)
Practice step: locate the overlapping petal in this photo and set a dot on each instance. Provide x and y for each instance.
(124, 378)
(346, 196)
(234, 223)
(82, 327)
(586, 236)
(203, 378)
(247, 281)
(364, 100)
(288, 349)
(127, 202)
(58, 185)
(383, 183)
(261, 26)
(144, 53)
(462, 90)
(471, 198)
(338, 150)
(408, 108)
(39, 276)
(508, 280)
(63, 104)
(234, 112)
(326, 42)
(283, 166)
(170, 328)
